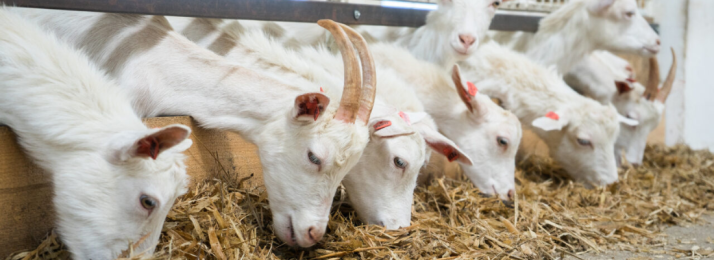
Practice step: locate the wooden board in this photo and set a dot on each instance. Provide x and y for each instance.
(26, 213)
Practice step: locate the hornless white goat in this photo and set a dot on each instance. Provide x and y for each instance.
(580, 132)
(306, 146)
(642, 104)
(381, 185)
(451, 33)
(600, 75)
(114, 179)
(488, 134)
(569, 34)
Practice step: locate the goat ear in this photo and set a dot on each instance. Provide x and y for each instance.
(551, 121)
(385, 128)
(156, 142)
(441, 144)
(309, 107)
(467, 92)
(623, 87)
(627, 121)
(600, 6)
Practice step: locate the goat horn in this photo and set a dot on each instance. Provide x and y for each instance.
(349, 104)
(369, 73)
(669, 81)
(652, 87)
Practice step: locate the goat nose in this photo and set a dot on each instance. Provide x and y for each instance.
(635, 164)
(314, 234)
(466, 40)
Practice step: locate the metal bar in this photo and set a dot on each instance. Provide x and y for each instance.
(273, 10)
(270, 10)
(276, 10)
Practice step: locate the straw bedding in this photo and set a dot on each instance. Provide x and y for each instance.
(552, 217)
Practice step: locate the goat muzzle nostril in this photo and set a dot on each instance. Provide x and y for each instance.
(511, 194)
(659, 42)
(466, 40)
(314, 234)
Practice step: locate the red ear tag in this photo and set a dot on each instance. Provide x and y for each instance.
(472, 88)
(405, 117)
(552, 115)
(381, 125)
(322, 90)
(451, 154)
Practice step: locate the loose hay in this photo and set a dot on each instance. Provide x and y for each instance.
(551, 217)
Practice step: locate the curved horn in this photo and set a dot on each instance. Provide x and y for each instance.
(349, 104)
(669, 81)
(652, 87)
(369, 73)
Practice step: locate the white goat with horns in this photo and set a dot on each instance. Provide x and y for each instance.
(642, 104)
(306, 145)
(114, 179)
(381, 185)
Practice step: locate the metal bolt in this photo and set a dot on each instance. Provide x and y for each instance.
(357, 14)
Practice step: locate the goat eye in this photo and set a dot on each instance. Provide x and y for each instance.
(496, 3)
(502, 141)
(584, 142)
(630, 14)
(148, 202)
(313, 159)
(400, 163)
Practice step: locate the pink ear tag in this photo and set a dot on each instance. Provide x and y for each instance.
(472, 88)
(381, 125)
(322, 90)
(405, 117)
(552, 115)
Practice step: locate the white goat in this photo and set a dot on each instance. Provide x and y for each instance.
(488, 134)
(597, 76)
(452, 32)
(306, 146)
(580, 133)
(114, 179)
(381, 185)
(569, 34)
(580, 27)
(642, 104)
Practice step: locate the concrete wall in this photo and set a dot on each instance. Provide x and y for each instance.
(688, 26)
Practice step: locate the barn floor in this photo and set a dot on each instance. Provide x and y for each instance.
(672, 194)
(681, 242)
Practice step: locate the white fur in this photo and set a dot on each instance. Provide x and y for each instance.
(569, 34)
(168, 74)
(631, 104)
(592, 78)
(438, 41)
(580, 27)
(475, 132)
(530, 91)
(381, 192)
(80, 127)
